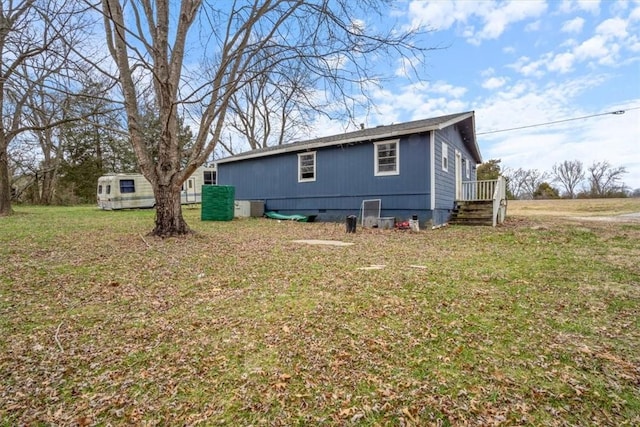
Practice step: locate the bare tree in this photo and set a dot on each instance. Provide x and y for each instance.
(42, 113)
(604, 179)
(522, 183)
(34, 40)
(534, 178)
(515, 181)
(273, 108)
(324, 38)
(569, 174)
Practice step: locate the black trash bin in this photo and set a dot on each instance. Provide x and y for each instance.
(352, 220)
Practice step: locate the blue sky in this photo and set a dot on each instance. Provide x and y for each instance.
(522, 63)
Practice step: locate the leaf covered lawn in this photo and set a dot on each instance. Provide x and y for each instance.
(531, 323)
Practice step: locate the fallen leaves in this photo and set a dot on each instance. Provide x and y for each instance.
(240, 326)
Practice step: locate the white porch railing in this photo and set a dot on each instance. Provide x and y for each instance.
(494, 190)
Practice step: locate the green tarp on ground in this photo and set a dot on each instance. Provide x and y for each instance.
(299, 218)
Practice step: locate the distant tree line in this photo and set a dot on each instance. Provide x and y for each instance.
(568, 179)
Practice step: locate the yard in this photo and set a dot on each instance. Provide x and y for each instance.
(536, 322)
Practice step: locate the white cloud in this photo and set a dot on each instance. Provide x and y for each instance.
(634, 16)
(594, 48)
(488, 72)
(527, 67)
(358, 26)
(407, 67)
(436, 15)
(492, 18)
(494, 83)
(594, 139)
(573, 26)
(497, 20)
(447, 89)
(562, 63)
(613, 27)
(533, 26)
(591, 6)
(604, 48)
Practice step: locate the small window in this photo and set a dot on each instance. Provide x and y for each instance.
(127, 186)
(209, 177)
(306, 167)
(108, 189)
(445, 157)
(387, 158)
(100, 189)
(467, 167)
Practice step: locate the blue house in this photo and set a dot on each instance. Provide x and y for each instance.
(414, 168)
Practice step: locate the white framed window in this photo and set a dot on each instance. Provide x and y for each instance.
(307, 167)
(445, 157)
(467, 167)
(387, 157)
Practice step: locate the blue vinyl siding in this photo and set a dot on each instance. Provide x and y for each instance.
(446, 181)
(345, 175)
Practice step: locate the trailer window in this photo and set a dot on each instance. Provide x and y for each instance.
(100, 189)
(108, 189)
(209, 177)
(127, 186)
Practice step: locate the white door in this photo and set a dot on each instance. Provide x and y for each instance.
(190, 191)
(458, 175)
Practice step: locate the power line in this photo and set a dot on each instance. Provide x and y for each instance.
(616, 112)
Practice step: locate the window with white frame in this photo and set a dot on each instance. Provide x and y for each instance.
(307, 167)
(387, 158)
(445, 157)
(467, 167)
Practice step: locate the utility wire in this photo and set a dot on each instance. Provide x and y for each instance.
(617, 112)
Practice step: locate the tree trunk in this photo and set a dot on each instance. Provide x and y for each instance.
(48, 185)
(169, 220)
(5, 183)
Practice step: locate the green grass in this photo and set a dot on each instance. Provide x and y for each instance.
(532, 323)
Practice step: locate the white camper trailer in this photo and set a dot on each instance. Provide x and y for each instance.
(132, 190)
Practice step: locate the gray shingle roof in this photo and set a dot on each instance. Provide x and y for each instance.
(465, 121)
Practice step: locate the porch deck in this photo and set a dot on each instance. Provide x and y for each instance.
(481, 202)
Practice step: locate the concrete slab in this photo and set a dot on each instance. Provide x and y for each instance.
(324, 242)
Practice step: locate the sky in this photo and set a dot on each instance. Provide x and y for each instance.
(518, 64)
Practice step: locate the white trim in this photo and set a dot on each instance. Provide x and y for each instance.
(455, 120)
(376, 165)
(432, 148)
(300, 155)
(458, 174)
(467, 168)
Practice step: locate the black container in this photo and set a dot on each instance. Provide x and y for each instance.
(352, 220)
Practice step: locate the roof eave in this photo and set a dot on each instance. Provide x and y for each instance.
(313, 145)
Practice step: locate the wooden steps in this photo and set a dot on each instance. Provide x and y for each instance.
(472, 213)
